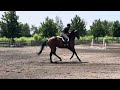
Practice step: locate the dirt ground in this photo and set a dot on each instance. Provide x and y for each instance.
(24, 63)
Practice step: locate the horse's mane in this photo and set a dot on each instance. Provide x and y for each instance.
(71, 32)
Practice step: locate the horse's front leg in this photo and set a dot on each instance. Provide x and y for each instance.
(77, 56)
(70, 48)
(72, 55)
(74, 52)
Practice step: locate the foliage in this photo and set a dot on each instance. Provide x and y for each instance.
(59, 24)
(48, 28)
(4, 39)
(24, 30)
(97, 29)
(78, 24)
(34, 30)
(86, 38)
(9, 25)
(26, 39)
(116, 29)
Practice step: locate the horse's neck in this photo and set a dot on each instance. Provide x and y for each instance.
(71, 37)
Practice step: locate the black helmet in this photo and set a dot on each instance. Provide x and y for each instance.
(68, 25)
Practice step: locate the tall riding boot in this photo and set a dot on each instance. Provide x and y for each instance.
(66, 42)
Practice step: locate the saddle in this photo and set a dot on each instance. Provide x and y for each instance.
(61, 37)
(64, 40)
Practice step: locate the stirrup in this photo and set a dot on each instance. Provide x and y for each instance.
(66, 45)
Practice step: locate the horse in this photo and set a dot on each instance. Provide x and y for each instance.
(57, 41)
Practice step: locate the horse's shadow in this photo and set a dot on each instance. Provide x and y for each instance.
(73, 62)
(63, 62)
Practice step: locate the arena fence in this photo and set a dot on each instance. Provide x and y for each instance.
(38, 43)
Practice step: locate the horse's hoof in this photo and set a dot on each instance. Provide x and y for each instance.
(80, 61)
(51, 62)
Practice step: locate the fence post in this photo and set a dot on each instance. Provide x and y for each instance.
(103, 42)
(9, 43)
(92, 43)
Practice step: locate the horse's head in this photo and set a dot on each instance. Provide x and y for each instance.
(77, 34)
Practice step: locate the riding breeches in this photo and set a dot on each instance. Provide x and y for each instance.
(65, 36)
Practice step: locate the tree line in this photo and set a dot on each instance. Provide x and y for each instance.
(10, 27)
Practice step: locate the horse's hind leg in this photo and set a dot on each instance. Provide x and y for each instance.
(53, 51)
(51, 57)
(56, 54)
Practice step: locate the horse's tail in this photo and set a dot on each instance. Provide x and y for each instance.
(42, 47)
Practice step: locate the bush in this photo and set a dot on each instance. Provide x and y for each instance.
(4, 39)
(27, 39)
(36, 37)
(86, 38)
(23, 39)
(44, 39)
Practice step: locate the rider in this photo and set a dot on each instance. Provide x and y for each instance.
(65, 32)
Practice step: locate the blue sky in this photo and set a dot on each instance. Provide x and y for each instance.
(35, 17)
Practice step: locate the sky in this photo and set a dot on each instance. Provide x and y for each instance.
(36, 17)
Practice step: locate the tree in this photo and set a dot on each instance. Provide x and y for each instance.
(59, 24)
(34, 30)
(25, 30)
(107, 26)
(97, 29)
(116, 29)
(89, 32)
(110, 25)
(78, 24)
(3, 29)
(9, 25)
(48, 28)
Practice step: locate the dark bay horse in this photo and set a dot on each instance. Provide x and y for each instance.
(56, 41)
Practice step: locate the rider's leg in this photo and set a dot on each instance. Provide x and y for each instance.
(65, 37)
